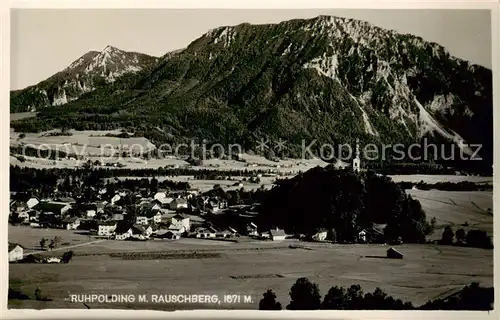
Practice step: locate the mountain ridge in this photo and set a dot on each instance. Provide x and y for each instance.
(90, 71)
(327, 78)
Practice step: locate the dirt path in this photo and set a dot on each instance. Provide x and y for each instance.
(66, 247)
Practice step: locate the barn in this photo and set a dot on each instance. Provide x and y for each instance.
(394, 254)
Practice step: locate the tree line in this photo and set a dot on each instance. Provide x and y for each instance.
(305, 295)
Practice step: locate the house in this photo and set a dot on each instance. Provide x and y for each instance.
(100, 205)
(181, 220)
(179, 228)
(32, 202)
(233, 231)
(277, 234)
(141, 220)
(205, 233)
(172, 235)
(160, 195)
(117, 217)
(375, 234)
(106, 228)
(90, 214)
(25, 216)
(252, 229)
(178, 203)
(394, 254)
(141, 231)
(164, 202)
(320, 235)
(123, 230)
(157, 217)
(51, 207)
(71, 223)
(15, 252)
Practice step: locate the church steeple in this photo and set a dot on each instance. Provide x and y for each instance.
(356, 162)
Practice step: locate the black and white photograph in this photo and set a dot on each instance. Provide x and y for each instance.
(251, 159)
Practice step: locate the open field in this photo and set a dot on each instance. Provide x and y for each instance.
(426, 272)
(439, 178)
(206, 185)
(456, 208)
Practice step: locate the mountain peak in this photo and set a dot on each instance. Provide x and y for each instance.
(110, 48)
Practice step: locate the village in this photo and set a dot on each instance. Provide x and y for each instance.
(148, 216)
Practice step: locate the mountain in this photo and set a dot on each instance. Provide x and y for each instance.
(89, 72)
(329, 79)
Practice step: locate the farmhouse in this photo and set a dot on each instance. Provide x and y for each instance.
(182, 220)
(25, 216)
(375, 234)
(141, 220)
(57, 208)
(123, 230)
(252, 229)
(141, 231)
(71, 223)
(277, 234)
(320, 235)
(206, 233)
(15, 252)
(106, 228)
(394, 254)
(178, 203)
(32, 202)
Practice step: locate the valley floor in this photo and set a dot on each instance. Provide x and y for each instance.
(246, 268)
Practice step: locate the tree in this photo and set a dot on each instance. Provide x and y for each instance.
(43, 241)
(38, 294)
(268, 302)
(66, 258)
(57, 240)
(52, 245)
(335, 299)
(447, 237)
(304, 295)
(478, 239)
(460, 236)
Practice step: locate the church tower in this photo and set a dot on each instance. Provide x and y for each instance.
(356, 162)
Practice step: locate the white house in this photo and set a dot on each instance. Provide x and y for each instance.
(24, 215)
(106, 228)
(160, 195)
(157, 217)
(72, 223)
(141, 220)
(15, 252)
(179, 219)
(178, 203)
(90, 213)
(277, 234)
(32, 202)
(320, 236)
(252, 229)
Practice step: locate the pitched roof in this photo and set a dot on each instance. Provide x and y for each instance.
(13, 245)
(70, 219)
(50, 206)
(106, 223)
(179, 216)
(278, 232)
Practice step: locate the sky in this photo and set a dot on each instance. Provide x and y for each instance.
(45, 41)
